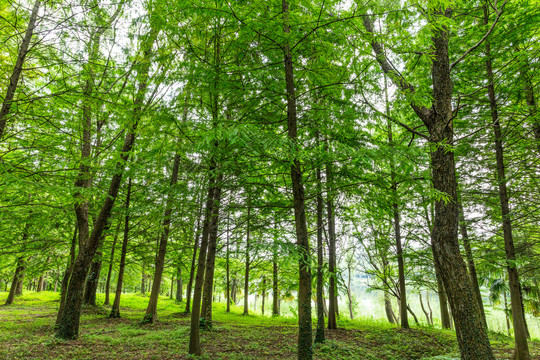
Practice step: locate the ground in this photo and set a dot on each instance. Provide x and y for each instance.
(26, 330)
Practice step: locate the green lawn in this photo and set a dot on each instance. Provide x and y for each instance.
(26, 333)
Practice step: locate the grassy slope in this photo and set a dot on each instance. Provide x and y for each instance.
(26, 333)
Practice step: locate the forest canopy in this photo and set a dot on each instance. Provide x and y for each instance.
(314, 156)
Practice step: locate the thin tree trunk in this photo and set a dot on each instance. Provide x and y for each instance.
(332, 293)
(193, 262)
(208, 286)
(194, 338)
(443, 304)
(246, 276)
(179, 290)
(518, 318)
(228, 271)
(263, 294)
(319, 335)
(17, 70)
(423, 308)
(275, 280)
(151, 310)
(305, 348)
(143, 278)
(111, 262)
(388, 309)
(92, 279)
(349, 294)
(429, 307)
(115, 310)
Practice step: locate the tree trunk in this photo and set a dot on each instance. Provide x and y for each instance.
(319, 335)
(206, 310)
(115, 310)
(67, 275)
(111, 262)
(470, 262)
(228, 271)
(397, 231)
(194, 338)
(518, 318)
(151, 310)
(193, 262)
(179, 290)
(305, 348)
(263, 294)
(388, 309)
(332, 293)
(92, 279)
(275, 280)
(443, 304)
(349, 294)
(143, 278)
(423, 308)
(246, 276)
(17, 70)
(19, 269)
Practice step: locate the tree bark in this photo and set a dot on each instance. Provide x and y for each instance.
(319, 335)
(151, 310)
(17, 70)
(194, 338)
(115, 310)
(305, 348)
(193, 262)
(92, 279)
(518, 318)
(111, 262)
(206, 310)
(275, 280)
(19, 269)
(246, 275)
(332, 293)
(67, 275)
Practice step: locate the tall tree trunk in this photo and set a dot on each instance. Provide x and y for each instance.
(206, 310)
(151, 310)
(349, 294)
(67, 275)
(179, 290)
(470, 330)
(470, 262)
(193, 261)
(275, 279)
(69, 324)
(143, 278)
(264, 294)
(518, 318)
(332, 290)
(247, 263)
(228, 271)
(194, 338)
(17, 70)
(111, 262)
(19, 269)
(305, 348)
(115, 310)
(319, 335)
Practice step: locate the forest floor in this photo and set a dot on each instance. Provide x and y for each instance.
(26, 330)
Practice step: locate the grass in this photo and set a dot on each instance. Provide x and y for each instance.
(26, 330)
